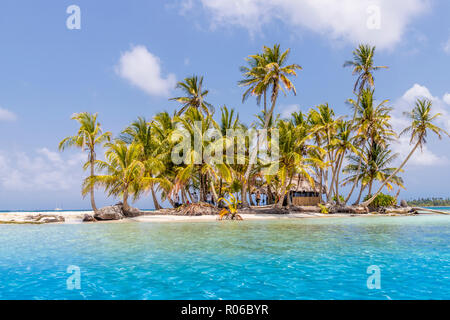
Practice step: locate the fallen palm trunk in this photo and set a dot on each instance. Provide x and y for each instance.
(407, 210)
(431, 211)
(349, 209)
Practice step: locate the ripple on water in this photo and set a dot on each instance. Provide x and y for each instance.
(299, 259)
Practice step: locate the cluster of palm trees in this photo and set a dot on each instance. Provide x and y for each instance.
(330, 151)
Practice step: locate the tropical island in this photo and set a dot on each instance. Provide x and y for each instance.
(203, 160)
(430, 202)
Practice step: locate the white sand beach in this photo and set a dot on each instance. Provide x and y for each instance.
(76, 217)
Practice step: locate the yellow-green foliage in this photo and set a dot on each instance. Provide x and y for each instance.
(323, 209)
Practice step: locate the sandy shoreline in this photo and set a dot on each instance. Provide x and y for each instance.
(75, 217)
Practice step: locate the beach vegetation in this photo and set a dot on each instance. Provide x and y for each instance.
(198, 155)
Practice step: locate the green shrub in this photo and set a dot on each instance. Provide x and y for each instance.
(382, 200)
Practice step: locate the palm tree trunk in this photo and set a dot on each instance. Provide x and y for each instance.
(356, 181)
(360, 194)
(183, 196)
(171, 202)
(368, 202)
(327, 190)
(126, 207)
(93, 205)
(338, 200)
(189, 194)
(244, 195)
(282, 195)
(320, 185)
(254, 153)
(250, 198)
(155, 200)
(269, 195)
(333, 179)
(202, 189)
(213, 189)
(265, 101)
(370, 187)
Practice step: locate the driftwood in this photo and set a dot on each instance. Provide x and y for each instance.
(348, 209)
(431, 211)
(397, 210)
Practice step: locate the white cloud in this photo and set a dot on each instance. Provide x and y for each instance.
(447, 46)
(381, 22)
(447, 98)
(424, 157)
(143, 69)
(417, 91)
(40, 170)
(6, 115)
(289, 110)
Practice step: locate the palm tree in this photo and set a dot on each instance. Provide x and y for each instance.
(88, 136)
(363, 67)
(343, 144)
(196, 167)
(140, 132)
(375, 168)
(372, 124)
(124, 172)
(293, 156)
(421, 124)
(194, 95)
(271, 72)
(323, 122)
(254, 75)
(163, 125)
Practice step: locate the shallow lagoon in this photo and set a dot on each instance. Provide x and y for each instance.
(287, 259)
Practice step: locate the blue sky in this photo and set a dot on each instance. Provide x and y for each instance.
(127, 55)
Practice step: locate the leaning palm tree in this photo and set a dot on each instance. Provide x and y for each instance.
(194, 96)
(124, 172)
(89, 135)
(377, 167)
(421, 124)
(272, 75)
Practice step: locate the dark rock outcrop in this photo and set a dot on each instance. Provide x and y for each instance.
(109, 213)
(89, 218)
(115, 212)
(132, 212)
(404, 204)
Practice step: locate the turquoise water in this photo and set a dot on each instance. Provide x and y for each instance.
(295, 259)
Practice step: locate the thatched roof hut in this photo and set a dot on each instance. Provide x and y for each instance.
(302, 184)
(298, 184)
